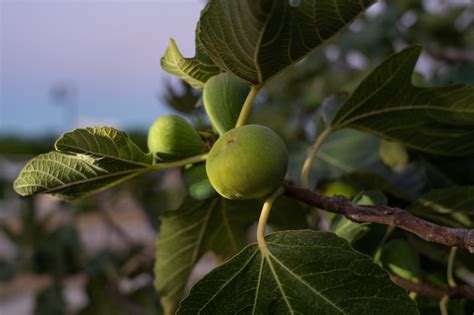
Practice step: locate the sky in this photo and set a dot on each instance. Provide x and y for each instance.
(107, 51)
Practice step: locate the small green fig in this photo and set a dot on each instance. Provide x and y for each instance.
(247, 162)
(338, 188)
(394, 155)
(197, 183)
(172, 138)
(223, 97)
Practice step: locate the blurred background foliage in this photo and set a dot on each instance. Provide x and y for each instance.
(95, 255)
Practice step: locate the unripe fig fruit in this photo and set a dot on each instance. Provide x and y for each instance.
(173, 138)
(338, 188)
(247, 162)
(197, 183)
(223, 97)
(394, 155)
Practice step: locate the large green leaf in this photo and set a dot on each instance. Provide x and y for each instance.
(219, 225)
(88, 160)
(438, 120)
(452, 206)
(196, 71)
(303, 272)
(256, 39)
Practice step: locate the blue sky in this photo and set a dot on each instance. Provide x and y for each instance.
(108, 50)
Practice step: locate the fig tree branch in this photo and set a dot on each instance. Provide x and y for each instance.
(462, 291)
(396, 217)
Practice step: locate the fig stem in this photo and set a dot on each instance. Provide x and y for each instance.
(313, 151)
(262, 222)
(190, 160)
(245, 111)
(450, 275)
(443, 304)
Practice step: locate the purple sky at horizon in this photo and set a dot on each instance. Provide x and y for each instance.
(108, 50)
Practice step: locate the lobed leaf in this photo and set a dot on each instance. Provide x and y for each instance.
(437, 120)
(302, 272)
(195, 71)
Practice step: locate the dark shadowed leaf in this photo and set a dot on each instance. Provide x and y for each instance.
(450, 206)
(401, 258)
(302, 272)
(369, 180)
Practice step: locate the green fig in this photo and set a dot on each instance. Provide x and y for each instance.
(172, 138)
(338, 188)
(247, 162)
(394, 155)
(197, 183)
(223, 97)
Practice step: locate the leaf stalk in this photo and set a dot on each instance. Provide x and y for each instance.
(313, 151)
(245, 111)
(262, 222)
(191, 160)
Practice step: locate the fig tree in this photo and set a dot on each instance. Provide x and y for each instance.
(223, 97)
(172, 138)
(247, 162)
(197, 183)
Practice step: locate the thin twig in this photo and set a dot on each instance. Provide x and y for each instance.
(397, 217)
(462, 291)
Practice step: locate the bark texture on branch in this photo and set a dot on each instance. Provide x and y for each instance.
(397, 217)
(462, 291)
